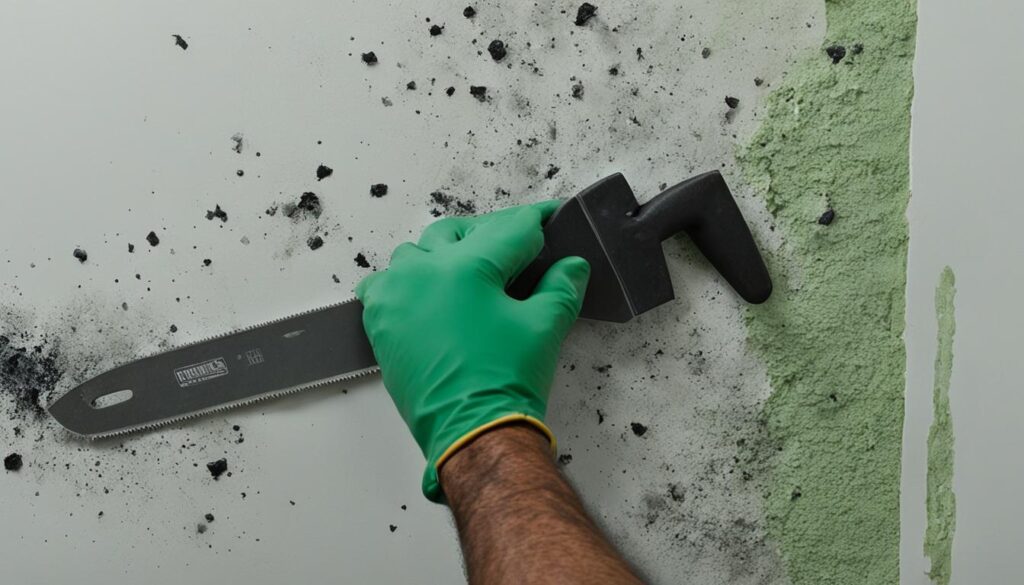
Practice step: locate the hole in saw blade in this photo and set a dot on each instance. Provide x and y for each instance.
(111, 399)
(293, 334)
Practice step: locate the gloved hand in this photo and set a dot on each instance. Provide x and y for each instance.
(457, 354)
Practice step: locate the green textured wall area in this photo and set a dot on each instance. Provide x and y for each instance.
(941, 501)
(835, 137)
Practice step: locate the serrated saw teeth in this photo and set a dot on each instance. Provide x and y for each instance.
(279, 357)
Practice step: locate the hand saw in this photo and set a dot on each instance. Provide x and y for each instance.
(604, 224)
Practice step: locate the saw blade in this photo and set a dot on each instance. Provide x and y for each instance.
(272, 359)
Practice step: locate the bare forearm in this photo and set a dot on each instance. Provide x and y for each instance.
(519, 520)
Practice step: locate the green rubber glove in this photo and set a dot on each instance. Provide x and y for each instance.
(457, 354)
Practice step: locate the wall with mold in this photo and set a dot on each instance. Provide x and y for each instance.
(112, 130)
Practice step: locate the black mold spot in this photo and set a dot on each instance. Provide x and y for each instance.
(209, 517)
(378, 190)
(207, 262)
(200, 528)
(552, 171)
(361, 261)
(370, 58)
(450, 91)
(497, 50)
(638, 429)
(577, 90)
(180, 42)
(12, 462)
(237, 139)
(857, 49)
(585, 12)
(827, 217)
(436, 30)
(240, 173)
(315, 243)
(479, 92)
(80, 254)
(153, 239)
(450, 205)
(758, 81)
(131, 248)
(323, 171)
(836, 53)
(217, 468)
(217, 213)
(411, 86)
(392, 527)
(469, 12)
(732, 102)
(705, 52)
(309, 204)
(564, 459)
(613, 70)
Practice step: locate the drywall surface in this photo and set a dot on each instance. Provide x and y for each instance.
(832, 161)
(965, 213)
(112, 129)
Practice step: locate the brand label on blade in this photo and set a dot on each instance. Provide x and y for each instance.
(201, 372)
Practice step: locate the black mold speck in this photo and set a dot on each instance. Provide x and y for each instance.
(436, 30)
(207, 262)
(857, 49)
(732, 102)
(450, 205)
(12, 462)
(309, 204)
(836, 53)
(392, 527)
(209, 517)
(638, 429)
(827, 217)
(323, 171)
(361, 260)
(479, 92)
(80, 254)
(217, 213)
(153, 239)
(315, 243)
(585, 12)
(497, 50)
(552, 171)
(370, 58)
(180, 42)
(237, 139)
(758, 81)
(577, 90)
(705, 52)
(613, 70)
(469, 12)
(411, 86)
(603, 369)
(217, 468)
(378, 190)
(564, 459)
(240, 173)
(200, 528)
(131, 248)
(174, 328)
(450, 91)
(600, 416)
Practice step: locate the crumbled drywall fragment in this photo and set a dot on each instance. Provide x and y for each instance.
(941, 501)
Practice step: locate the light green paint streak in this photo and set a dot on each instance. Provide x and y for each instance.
(831, 336)
(941, 501)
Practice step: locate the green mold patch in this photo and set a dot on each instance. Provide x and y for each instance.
(831, 160)
(941, 501)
